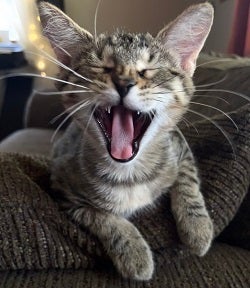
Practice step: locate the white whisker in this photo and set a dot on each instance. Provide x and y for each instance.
(185, 121)
(189, 123)
(62, 49)
(55, 61)
(217, 109)
(49, 57)
(226, 91)
(61, 92)
(67, 111)
(214, 61)
(40, 76)
(90, 118)
(151, 115)
(211, 97)
(218, 127)
(183, 138)
(66, 67)
(95, 19)
(158, 100)
(218, 90)
(213, 83)
(67, 118)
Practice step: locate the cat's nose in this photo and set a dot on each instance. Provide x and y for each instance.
(123, 85)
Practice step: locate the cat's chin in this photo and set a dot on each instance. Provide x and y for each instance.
(122, 130)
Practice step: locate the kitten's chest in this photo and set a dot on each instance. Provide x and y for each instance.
(125, 197)
(124, 200)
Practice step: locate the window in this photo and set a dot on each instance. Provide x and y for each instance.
(8, 19)
(19, 22)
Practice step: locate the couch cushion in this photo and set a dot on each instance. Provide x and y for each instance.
(29, 141)
(223, 267)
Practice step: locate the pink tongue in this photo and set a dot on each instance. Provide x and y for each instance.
(122, 133)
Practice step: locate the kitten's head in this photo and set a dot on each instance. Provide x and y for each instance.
(142, 83)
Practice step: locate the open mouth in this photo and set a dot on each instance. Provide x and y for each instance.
(123, 130)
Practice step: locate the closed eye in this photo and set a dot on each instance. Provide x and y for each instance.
(102, 69)
(142, 73)
(174, 73)
(108, 70)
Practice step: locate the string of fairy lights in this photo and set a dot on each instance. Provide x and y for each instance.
(36, 39)
(34, 36)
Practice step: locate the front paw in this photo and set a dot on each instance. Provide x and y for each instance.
(134, 259)
(196, 232)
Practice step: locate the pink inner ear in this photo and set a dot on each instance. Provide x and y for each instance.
(186, 35)
(188, 51)
(188, 61)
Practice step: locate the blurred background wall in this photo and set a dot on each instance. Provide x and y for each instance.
(149, 15)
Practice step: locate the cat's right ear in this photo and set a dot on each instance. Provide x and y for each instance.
(63, 33)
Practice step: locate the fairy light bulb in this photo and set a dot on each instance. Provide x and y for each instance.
(41, 65)
(32, 27)
(33, 36)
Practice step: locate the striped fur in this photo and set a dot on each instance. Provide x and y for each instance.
(99, 192)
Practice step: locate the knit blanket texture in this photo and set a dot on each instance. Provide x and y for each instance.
(36, 235)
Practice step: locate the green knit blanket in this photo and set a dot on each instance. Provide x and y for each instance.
(36, 235)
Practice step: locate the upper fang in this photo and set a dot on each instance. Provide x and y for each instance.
(108, 109)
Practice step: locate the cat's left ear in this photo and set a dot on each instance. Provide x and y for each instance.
(186, 35)
(64, 34)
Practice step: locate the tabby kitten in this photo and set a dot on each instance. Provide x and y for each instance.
(123, 148)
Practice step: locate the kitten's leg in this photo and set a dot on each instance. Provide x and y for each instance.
(125, 245)
(194, 224)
